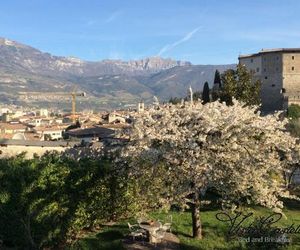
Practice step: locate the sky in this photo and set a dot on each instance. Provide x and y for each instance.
(200, 31)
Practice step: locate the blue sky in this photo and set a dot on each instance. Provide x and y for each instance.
(203, 31)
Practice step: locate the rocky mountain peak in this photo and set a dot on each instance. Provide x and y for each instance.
(10, 43)
(109, 82)
(28, 57)
(157, 63)
(7, 42)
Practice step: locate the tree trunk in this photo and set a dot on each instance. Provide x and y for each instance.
(197, 228)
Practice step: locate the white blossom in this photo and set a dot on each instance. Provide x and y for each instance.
(231, 148)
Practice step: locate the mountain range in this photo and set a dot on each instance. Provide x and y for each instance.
(107, 83)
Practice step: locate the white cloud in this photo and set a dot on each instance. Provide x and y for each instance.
(187, 37)
(113, 16)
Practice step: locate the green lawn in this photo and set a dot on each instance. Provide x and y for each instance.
(214, 231)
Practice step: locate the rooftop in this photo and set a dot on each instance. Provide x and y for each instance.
(6, 136)
(50, 128)
(116, 125)
(93, 131)
(12, 126)
(265, 51)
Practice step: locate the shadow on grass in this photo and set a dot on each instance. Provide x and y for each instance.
(291, 204)
(207, 229)
(109, 236)
(109, 239)
(180, 233)
(188, 247)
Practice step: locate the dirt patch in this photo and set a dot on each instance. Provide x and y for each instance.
(170, 242)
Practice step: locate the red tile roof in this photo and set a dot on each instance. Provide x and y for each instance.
(12, 126)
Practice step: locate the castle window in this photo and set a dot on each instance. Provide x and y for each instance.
(293, 68)
(273, 85)
(293, 57)
(283, 90)
(252, 60)
(266, 77)
(257, 69)
(277, 57)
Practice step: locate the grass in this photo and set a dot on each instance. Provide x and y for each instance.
(214, 231)
(108, 239)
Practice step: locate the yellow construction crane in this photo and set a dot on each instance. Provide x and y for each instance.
(72, 94)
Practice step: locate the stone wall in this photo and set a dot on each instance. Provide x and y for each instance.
(279, 72)
(268, 69)
(291, 73)
(253, 64)
(12, 150)
(271, 79)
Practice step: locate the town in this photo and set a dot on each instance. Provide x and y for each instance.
(38, 131)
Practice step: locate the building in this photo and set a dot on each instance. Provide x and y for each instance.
(116, 118)
(94, 133)
(36, 122)
(6, 117)
(44, 112)
(141, 107)
(40, 121)
(12, 128)
(47, 133)
(279, 72)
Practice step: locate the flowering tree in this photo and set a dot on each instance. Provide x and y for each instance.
(230, 148)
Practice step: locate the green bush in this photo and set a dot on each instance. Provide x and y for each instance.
(293, 111)
(294, 127)
(46, 201)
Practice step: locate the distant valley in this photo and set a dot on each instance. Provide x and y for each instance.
(109, 84)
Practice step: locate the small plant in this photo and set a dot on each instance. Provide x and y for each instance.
(294, 127)
(293, 111)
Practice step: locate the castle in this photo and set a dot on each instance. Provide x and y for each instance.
(279, 73)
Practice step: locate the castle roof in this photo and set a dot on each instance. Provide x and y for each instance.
(275, 50)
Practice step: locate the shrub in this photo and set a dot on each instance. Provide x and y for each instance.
(293, 111)
(46, 201)
(294, 127)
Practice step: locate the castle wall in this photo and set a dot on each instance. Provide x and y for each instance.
(279, 74)
(291, 73)
(253, 64)
(271, 80)
(268, 69)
